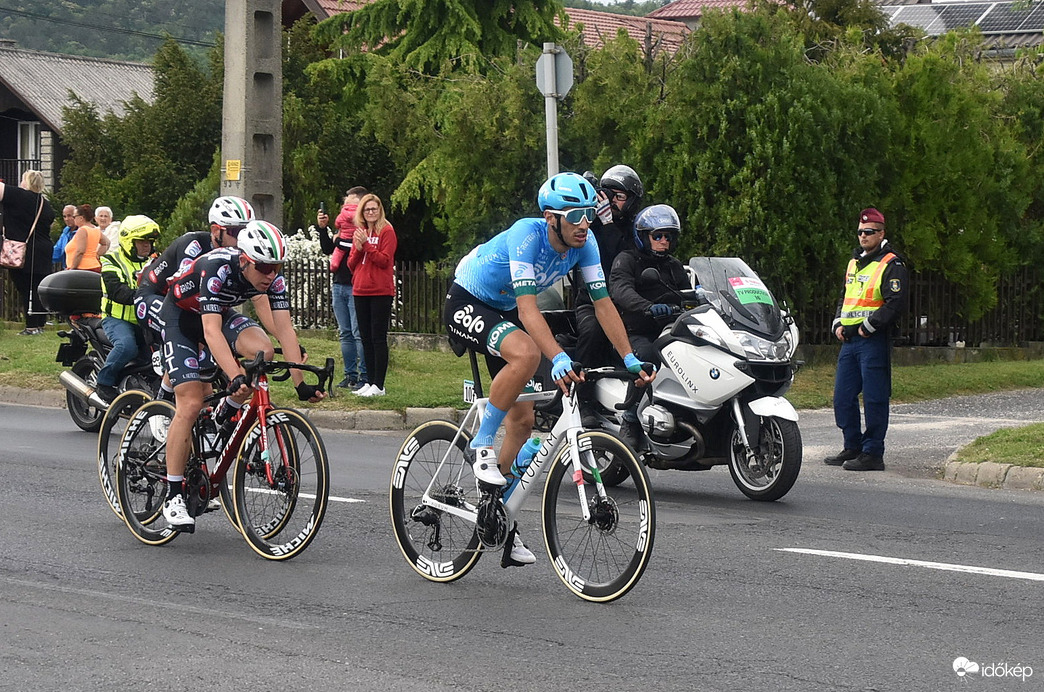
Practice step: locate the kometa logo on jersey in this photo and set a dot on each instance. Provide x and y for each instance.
(214, 285)
(278, 286)
(141, 311)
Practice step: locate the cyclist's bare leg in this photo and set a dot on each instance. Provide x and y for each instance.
(523, 359)
(518, 426)
(179, 443)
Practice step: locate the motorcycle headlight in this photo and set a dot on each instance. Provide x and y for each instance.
(762, 349)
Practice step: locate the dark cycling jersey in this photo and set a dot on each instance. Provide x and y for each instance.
(176, 257)
(215, 283)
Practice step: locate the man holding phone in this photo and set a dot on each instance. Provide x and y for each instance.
(338, 246)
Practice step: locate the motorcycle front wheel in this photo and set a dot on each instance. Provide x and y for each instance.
(83, 414)
(772, 469)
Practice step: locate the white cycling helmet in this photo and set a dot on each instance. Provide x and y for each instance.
(261, 241)
(231, 211)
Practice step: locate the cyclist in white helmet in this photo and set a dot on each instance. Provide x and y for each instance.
(198, 310)
(228, 216)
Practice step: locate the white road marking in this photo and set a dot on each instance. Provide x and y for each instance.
(310, 496)
(1032, 576)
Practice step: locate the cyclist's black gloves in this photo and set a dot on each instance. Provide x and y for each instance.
(237, 382)
(306, 391)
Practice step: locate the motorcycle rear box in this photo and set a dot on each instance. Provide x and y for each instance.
(72, 292)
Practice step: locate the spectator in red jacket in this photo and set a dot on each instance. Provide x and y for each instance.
(372, 261)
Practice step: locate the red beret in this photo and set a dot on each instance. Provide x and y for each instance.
(871, 215)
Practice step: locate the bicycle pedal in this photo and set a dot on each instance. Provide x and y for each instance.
(185, 528)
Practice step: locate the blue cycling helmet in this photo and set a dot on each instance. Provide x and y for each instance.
(566, 190)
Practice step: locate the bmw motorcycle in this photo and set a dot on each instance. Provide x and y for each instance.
(718, 398)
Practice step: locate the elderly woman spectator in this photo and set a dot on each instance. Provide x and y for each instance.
(27, 218)
(111, 229)
(88, 244)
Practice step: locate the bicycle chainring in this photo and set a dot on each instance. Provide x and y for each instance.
(492, 525)
(197, 490)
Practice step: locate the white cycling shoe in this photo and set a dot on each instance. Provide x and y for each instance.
(520, 553)
(485, 467)
(176, 513)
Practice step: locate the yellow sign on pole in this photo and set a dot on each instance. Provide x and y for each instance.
(232, 169)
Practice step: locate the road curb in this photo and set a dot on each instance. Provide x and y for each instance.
(988, 474)
(331, 420)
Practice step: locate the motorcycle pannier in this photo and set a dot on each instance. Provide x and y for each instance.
(72, 292)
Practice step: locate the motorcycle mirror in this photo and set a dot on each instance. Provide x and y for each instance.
(650, 276)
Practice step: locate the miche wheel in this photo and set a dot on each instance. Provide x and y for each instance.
(603, 557)
(439, 545)
(280, 505)
(112, 427)
(83, 414)
(141, 473)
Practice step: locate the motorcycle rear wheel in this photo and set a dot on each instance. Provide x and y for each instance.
(83, 414)
(774, 469)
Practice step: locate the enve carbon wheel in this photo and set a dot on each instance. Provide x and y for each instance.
(774, 469)
(83, 414)
(113, 424)
(141, 473)
(439, 545)
(601, 558)
(280, 505)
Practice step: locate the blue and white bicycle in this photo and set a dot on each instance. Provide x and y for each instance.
(599, 539)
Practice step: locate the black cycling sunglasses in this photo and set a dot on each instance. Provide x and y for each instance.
(233, 230)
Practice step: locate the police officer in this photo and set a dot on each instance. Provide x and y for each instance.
(874, 298)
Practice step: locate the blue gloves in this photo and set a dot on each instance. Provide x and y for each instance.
(561, 365)
(660, 310)
(633, 365)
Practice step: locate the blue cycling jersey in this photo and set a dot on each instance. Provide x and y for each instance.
(521, 261)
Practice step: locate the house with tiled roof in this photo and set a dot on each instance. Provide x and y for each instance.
(596, 27)
(35, 86)
(690, 12)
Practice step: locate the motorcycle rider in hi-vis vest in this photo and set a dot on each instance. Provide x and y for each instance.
(875, 296)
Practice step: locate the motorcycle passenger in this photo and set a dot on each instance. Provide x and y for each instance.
(643, 304)
(198, 310)
(619, 197)
(119, 276)
(228, 216)
(492, 308)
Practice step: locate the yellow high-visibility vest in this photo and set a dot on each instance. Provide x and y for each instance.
(863, 290)
(118, 263)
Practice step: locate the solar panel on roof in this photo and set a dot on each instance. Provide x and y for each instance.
(1003, 18)
(1035, 22)
(960, 15)
(921, 16)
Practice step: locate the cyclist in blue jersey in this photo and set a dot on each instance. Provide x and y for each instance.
(198, 310)
(492, 308)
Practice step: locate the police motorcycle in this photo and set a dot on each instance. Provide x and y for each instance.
(76, 295)
(718, 398)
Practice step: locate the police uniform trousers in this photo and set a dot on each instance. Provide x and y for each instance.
(864, 365)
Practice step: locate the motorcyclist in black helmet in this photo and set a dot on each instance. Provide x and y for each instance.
(644, 305)
(620, 192)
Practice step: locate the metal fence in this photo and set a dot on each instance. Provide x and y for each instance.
(935, 317)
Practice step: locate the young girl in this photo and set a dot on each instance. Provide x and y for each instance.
(372, 261)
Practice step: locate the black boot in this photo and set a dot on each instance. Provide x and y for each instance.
(841, 457)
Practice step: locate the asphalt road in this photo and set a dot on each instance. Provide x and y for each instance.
(727, 602)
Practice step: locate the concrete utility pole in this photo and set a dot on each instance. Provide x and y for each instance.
(252, 116)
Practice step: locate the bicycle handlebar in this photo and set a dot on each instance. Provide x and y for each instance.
(280, 370)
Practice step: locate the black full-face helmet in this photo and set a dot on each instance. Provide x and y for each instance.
(657, 218)
(624, 179)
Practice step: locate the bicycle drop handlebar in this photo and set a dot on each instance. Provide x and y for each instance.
(634, 393)
(279, 370)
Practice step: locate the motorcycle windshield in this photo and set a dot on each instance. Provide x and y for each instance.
(739, 295)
